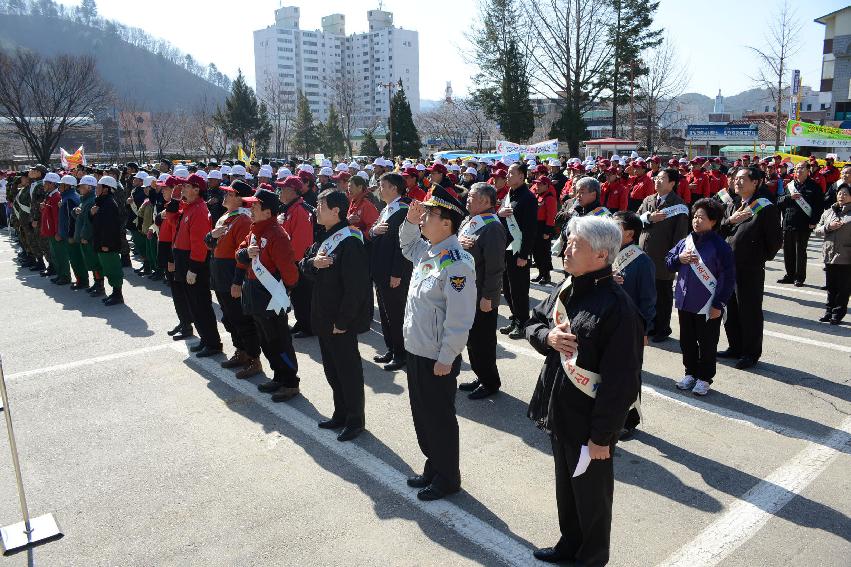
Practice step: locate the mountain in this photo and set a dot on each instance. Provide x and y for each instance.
(148, 80)
(753, 100)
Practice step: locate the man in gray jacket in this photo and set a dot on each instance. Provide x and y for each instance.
(483, 236)
(439, 312)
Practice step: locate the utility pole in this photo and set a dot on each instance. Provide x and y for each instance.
(632, 100)
(389, 87)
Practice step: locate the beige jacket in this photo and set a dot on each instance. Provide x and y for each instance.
(837, 243)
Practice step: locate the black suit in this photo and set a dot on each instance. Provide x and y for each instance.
(515, 280)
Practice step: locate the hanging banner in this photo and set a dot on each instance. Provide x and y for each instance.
(805, 134)
(796, 159)
(545, 147)
(70, 161)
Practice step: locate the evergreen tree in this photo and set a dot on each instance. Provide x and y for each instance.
(87, 11)
(331, 135)
(515, 115)
(406, 139)
(629, 35)
(369, 147)
(304, 139)
(243, 119)
(570, 127)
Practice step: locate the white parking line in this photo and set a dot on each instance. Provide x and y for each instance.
(468, 526)
(806, 341)
(86, 362)
(746, 516)
(822, 294)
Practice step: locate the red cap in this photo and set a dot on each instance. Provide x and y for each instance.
(697, 161)
(197, 181)
(305, 176)
(174, 181)
(543, 180)
(293, 182)
(452, 177)
(342, 176)
(266, 186)
(656, 159)
(438, 167)
(542, 170)
(612, 170)
(672, 163)
(500, 166)
(412, 171)
(745, 156)
(639, 163)
(499, 173)
(716, 160)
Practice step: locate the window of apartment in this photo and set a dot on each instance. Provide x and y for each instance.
(314, 69)
(809, 107)
(828, 46)
(843, 111)
(284, 66)
(310, 43)
(288, 75)
(826, 85)
(311, 52)
(311, 60)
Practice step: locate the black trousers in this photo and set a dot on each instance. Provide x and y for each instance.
(300, 297)
(200, 302)
(344, 371)
(541, 255)
(744, 313)
(433, 409)
(699, 343)
(481, 348)
(584, 504)
(180, 300)
(795, 253)
(838, 288)
(664, 306)
(515, 287)
(277, 345)
(391, 310)
(243, 332)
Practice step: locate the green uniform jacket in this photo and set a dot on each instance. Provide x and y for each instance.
(23, 200)
(83, 229)
(38, 195)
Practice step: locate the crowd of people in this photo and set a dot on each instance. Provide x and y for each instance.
(437, 247)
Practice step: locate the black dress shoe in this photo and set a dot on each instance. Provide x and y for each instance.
(174, 331)
(537, 278)
(333, 423)
(745, 362)
(383, 358)
(395, 364)
(728, 354)
(824, 287)
(508, 328)
(79, 285)
(183, 334)
(302, 335)
(835, 321)
(350, 433)
(826, 317)
(418, 481)
(546, 281)
(551, 555)
(482, 392)
(432, 492)
(657, 338)
(60, 281)
(799, 283)
(268, 387)
(209, 351)
(114, 299)
(517, 333)
(156, 276)
(198, 348)
(468, 386)
(626, 433)
(785, 279)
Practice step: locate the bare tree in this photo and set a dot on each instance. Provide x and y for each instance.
(280, 102)
(782, 40)
(132, 121)
(348, 104)
(460, 124)
(209, 134)
(659, 90)
(163, 131)
(44, 98)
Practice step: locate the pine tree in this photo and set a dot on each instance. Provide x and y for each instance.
(406, 139)
(570, 127)
(87, 11)
(369, 147)
(629, 35)
(515, 115)
(243, 119)
(304, 139)
(333, 144)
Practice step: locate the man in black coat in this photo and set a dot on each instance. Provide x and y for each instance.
(391, 271)
(519, 216)
(752, 228)
(107, 237)
(802, 204)
(341, 308)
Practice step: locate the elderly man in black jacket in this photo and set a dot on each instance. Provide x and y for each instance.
(341, 307)
(483, 236)
(802, 205)
(519, 215)
(591, 335)
(752, 228)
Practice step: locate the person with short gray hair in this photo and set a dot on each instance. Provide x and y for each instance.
(587, 385)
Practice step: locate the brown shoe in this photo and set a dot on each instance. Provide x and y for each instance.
(239, 358)
(252, 368)
(284, 394)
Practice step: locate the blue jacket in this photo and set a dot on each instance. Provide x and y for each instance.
(639, 283)
(691, 295)
(70, 201)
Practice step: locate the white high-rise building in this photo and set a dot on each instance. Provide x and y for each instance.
(319, 62)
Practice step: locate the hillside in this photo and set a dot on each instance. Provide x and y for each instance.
(737, 104)
(148, 80)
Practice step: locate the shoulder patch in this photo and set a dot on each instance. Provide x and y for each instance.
(458, 282)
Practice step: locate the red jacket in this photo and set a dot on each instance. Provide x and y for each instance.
(226, 245)
(276, 252)
(682, 189)
(567, 190)
(714, 182)
(820, 179)
(299, 226)
(700, 180)
(414, 192)
(50, 215)
(615, 196)
(830, 173)
(641, 186)
(363, 207)
(548, 207)
(193, 227)
(168, 228)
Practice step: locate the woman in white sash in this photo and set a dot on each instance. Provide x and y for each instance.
(706, 275)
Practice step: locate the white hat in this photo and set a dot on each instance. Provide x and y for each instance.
(326, 171)
(682, 160)
(454, 167)
(421, 167)
(238, 170)
(202, 173)
(554, 163)
(483, 160)
(163, 178)
(140, 175)
(265, 171)
(109, 181)
(90, 180)
(181, 172)
(215, 174)
(147, 181)
(589, 168)
(623, 161)
(341, 167)
(616, 157)
(283, 173)
(407, 163)
(68, 180)
(248, 177)
(363, 175)
(326, 163)
(225, 170)
(52, 177)
(634, 155)
(471, 171)
(354, 165)
(369, 167)
(531, 163)
(378, 161)
(306, 167)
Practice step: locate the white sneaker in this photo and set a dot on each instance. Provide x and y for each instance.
(687, 383)
(701, 388)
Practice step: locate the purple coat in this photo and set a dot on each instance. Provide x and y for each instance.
(691, 295)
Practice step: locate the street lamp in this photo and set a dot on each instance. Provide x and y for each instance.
(390, 87)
